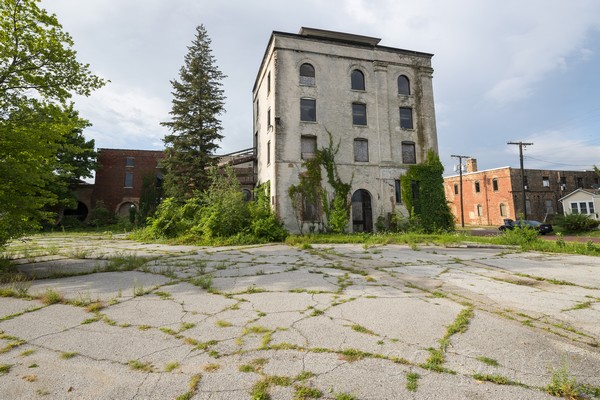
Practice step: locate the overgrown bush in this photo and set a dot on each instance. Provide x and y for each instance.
(218, 212)
(520, 236)
(576, 223)
(101, 216)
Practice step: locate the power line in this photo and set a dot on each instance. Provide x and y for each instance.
(556, 163)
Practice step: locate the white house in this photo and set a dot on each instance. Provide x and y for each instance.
(582, 201)
(376, 101)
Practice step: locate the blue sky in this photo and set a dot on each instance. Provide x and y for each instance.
(504, 70)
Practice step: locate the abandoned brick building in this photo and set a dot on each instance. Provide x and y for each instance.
(121, 172)
(492, 195)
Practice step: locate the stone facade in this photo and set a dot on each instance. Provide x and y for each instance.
(492, 195)
(294, 111)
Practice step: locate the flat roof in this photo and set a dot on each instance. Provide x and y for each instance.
(341, 36)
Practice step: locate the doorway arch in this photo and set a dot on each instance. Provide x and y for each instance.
(362, 215)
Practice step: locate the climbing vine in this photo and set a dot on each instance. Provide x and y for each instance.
(423, 194)
(310, 191)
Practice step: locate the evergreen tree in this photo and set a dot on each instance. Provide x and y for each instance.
(198, 100)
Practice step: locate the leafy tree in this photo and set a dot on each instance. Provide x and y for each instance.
(198, 100)
(39, 132)
(423, 194)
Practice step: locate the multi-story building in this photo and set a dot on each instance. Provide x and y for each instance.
(492, 195)
(376, 101)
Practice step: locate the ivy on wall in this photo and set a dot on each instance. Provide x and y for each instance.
(310, 190)
(423, 194)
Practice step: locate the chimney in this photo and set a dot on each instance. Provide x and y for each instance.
(471, 165)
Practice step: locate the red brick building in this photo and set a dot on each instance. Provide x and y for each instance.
(492, 195)
(121, 172)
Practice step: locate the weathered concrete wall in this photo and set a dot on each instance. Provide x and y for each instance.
(333, 63)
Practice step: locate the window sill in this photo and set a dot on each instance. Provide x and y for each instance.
(308, 122)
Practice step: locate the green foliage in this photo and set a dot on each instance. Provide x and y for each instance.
(310, 191)
(41, 147)
(524, 236)
(563, 384)
(198, 100)
(576, 223)
(423, 194)
(101, 216)
(149, 199)
(218, 212)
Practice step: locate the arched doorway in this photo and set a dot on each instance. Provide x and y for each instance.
(125, 209)
(362, 216)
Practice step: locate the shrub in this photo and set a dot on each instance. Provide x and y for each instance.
(100, 215)
(520, 236)
(575, 223)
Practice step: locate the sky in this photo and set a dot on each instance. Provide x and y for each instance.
(509, 70)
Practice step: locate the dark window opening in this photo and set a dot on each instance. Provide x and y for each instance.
(495, 185)
(455, 188)
(308, 110)
(397, 189)
(406, 120)
(403, 85)
(359, 114)
(357, 79)
(477, 187)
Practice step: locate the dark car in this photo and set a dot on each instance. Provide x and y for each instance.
(538, 226)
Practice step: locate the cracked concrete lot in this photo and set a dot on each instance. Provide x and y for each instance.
(109, 318)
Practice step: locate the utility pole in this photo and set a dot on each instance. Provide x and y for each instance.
(521, 144)
(462, 214)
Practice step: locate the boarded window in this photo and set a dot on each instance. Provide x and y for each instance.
(408, 153)
(361, 150)
(307, 74)
(503, 210)
(308, 147)
(128, 179)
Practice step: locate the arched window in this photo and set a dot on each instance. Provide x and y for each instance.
(403, 85)
(357, 79)
(307, 74)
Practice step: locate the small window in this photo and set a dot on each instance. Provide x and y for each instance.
(308, 147)
(269, 82)
(307, 74)
(357, 79)
(479, 210)
(406, 120)
(502, 210)
(398, 192)
(591, 207)
(579, 182)
(403, 85)
(128, 179)
(359, 114)
(574, 208)
(257, 110)
(130, 162)
(549, 207)
(269, 124)
(269, 152)
(525, 182)
(477, 187)
(545, 181)
(495, 184)
(583, 207)
(455, 188)
(408, 153)
(361, 150)
(563, 183)
(308, 110)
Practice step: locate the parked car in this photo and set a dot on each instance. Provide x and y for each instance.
(538, 226)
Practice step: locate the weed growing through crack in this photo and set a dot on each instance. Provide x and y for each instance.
(223, 324)
(254, 365)
(362, 329)
(5, 368)
(68, 355)
(488, 361)
(497, 379)
(171, 366)
(306, 392)
(141, 366)
(211, 367)
(26, 353)
(193, 388)
(563, 384)
(204, 281)
(125, 262)
(163, 295)
(51, 296)
(345, 396)
(412, 381)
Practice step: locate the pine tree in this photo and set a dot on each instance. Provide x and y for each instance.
(198, 100)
